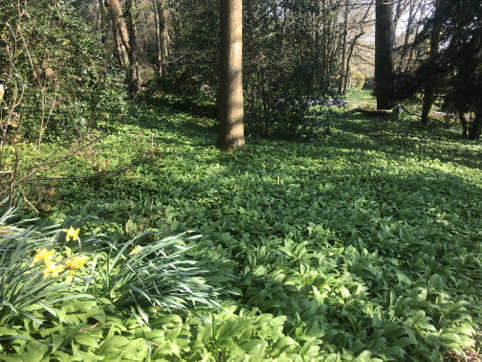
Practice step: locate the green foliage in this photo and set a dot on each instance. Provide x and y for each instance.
(103, 311)
(358, 79)
(60, 79)
(362, 245)
(359, 95)
(454, 72)
(287, 61)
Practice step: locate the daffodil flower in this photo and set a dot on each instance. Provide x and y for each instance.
(136, 250)
(76, 263)
(53, 269)
(71, 233)
(43, 255)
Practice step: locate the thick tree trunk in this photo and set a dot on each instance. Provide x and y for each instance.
(429, 96)
(163, 34)
(476, 126)
(384, 44)
(231, 106)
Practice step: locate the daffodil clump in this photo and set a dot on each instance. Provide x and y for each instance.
(56, 268)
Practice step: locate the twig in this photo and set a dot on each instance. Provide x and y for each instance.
(91, 176)
(88, 328)
(26, 200)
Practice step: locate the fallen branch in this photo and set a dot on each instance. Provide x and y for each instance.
(374, 112)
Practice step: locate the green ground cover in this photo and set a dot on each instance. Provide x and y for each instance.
(359, 95)
(364, 245)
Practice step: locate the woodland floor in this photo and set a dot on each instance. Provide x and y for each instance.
(378, 221)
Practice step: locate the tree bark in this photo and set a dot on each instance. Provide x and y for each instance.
(343, 51)
(384, 44)
(158, 40)
(231, 105)
(429, 96)
(476, 126)
(135, 79)
(121, 38)
(163, 34)
(463, 121)
(348, 60)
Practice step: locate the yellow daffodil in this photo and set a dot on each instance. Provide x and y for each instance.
(43, 255)
(53, 269)
(136, 250)
(76, 263)
(71, 233)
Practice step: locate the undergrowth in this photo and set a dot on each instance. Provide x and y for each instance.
(364, 245)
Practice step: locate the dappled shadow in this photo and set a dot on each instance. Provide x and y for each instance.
(344, 198)
(400, 138)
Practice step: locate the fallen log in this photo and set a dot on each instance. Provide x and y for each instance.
(375, 112)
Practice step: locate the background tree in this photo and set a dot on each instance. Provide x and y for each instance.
(454, 73)
(384, 56)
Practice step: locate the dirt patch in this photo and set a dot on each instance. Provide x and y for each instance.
(471, 354)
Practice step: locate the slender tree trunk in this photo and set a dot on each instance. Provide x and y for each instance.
(348, 60)
(463, 121)
(163, 35)
(158, 41)
(343, 49)
(231, 105)
(429, 96)
(135, 78)
(384, 44)
(102, 20)
(121, 37)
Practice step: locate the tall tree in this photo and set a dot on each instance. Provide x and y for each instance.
(454, 72)
(124, 45)
(384, 57)
(231, 105)
(163, 35)
(135, 78)
(429, 96)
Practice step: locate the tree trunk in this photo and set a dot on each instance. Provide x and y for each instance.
(476, 126)
(102, 21)
(463, 121)
(158, 41)
(384, 44)
(348, 60)
(121, 37)
(135, 79)
(161, 9)
(343, 50)
(429, 96)
(231, 106)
